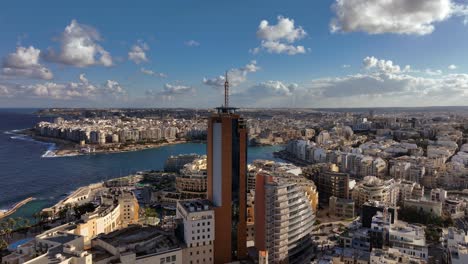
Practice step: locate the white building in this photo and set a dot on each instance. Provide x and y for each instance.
(457, 246)
(409, 239)
(438, 195)
(284, 217)
(372, 188)
(198, 221)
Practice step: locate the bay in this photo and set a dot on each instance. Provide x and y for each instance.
(25, 173)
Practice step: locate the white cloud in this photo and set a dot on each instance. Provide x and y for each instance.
(283, 30)
(4, 91)
(236, 76)
(433, 72)
(278, 48)
(25, 63)
(452, 67)
(385, 66)
(137, 53)
(83, 78)
(79, 47)
(23, 58)
(82, 90)
(170, 91)
(383, 84)
(271, 88)
(280, 38)
(113, 88)
(388, 85)
(345, 66)
(153, 73)
(392, 16)
(192, 43)
(251, 67)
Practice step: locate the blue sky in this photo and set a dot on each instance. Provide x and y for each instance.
(317, 59)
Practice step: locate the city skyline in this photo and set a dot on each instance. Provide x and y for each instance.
(344, 53)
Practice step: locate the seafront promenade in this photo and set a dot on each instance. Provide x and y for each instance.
(15, 207)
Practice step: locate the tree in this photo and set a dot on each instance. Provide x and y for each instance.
(150, 212)
(433, 234)
(3, 244)
(412, 215)
(63, 213)
(83, 209)
(11, 223)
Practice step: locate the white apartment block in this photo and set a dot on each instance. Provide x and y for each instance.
(198, 220)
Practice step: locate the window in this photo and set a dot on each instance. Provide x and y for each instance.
(173, 258)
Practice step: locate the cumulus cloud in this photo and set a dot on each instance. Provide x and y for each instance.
(278, 48)
(433, 72)
(383, 83)
(79, 47)
(83, 90)
(387, 82)
(137, 53)
(280, 38)
(386, 66)
(271, 88)
(4, 91)
(152, 73)
(416, 17)
(170, 91)
(192, 43)
(391, 86)
(25, 63)
(236, 76)
(83, 78)
(452, 67)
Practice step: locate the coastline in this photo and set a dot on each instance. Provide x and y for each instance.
(63, 148)
(14, 208)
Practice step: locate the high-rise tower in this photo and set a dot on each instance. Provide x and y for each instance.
(227, 181)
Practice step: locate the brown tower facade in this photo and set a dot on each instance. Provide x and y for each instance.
(227, 183)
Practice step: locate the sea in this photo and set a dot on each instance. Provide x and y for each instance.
(27, 171)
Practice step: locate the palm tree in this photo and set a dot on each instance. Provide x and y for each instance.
(20, 222)
(3, 244)
(26, 222)
(3, 228)
(11, 223)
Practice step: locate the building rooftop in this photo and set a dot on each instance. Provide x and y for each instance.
(196, 205)
(59, 237)
(150, 239)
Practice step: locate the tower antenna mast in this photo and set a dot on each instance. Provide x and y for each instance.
(226, 91)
